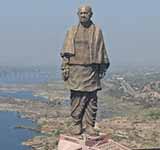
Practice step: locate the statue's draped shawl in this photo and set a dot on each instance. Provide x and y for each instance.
(97, 50)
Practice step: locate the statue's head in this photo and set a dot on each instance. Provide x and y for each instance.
(85, 13)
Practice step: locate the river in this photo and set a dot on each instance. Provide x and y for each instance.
(11, 138)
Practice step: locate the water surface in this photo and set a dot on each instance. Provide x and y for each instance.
(21, 95)
(11, 138)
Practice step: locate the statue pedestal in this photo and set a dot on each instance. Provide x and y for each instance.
(86, 142)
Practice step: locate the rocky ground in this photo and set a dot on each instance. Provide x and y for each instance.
(126, 122)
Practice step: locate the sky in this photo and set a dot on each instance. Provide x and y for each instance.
(32, 31)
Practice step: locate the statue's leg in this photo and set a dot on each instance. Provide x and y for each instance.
(78, 104)
(91, 109)
(90, 113)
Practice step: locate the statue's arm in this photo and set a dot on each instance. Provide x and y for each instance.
(65, 60)
(102, 69)
(105, 60)
(65, 68)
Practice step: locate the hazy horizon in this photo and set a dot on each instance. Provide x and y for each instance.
(32, 32)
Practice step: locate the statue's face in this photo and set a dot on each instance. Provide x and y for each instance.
(84, 14)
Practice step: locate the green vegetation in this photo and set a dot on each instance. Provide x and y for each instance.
(154, 114)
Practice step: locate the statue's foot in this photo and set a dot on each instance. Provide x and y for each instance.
(91, 131)
(76, 129)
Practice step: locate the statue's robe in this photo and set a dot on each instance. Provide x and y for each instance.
(85, 55)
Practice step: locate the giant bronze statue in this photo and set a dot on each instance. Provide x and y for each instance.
(84, 63)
